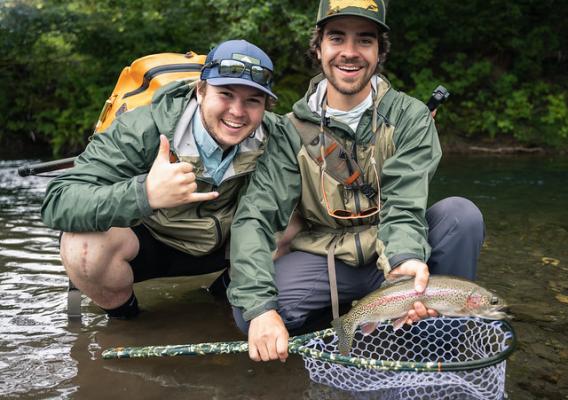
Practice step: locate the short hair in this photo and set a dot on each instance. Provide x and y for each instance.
(269, 101)
(317, 37)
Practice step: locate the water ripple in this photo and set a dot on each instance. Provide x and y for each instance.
(35, 343)
(29, 368)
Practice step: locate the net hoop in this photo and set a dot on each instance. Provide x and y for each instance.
(302, 345)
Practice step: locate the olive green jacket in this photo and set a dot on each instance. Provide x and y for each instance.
(287, 179)
(106, 187)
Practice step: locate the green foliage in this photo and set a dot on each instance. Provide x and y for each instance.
(503, 62)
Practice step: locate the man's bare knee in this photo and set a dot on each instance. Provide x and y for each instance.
(87, 255)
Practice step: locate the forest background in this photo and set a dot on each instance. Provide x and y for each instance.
(504, 62)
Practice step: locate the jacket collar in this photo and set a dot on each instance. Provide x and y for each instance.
(168, 105)
(309, 107)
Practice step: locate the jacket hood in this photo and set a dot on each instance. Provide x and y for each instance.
(302, 109)
(169, 103)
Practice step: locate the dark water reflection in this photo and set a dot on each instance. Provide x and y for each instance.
(42, 355)
(525, 258)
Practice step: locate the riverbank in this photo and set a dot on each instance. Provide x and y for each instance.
(26, 148)
(497, 146)
(23, 147)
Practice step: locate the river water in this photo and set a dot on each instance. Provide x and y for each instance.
(43, 355)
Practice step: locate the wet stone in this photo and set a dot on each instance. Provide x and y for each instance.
(553, 377)
(559, 286)
(526, 314)
(23, 321)
(540, 390)
(544, 352)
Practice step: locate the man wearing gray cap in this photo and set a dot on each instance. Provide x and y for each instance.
(354, 160)
(154, 195)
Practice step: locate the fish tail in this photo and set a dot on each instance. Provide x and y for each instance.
(345, 333)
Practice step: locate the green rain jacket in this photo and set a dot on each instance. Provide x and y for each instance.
(287, 179)
(106, 187)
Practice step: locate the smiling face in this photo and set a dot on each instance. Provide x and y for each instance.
(230, 113)
(349, 53)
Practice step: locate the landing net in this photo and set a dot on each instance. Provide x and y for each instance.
(437, 358)
(442, 358)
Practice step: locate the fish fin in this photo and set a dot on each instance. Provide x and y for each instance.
(494, 315)
(396, 279)
(399, 322)
(345, 333)
(369, 328)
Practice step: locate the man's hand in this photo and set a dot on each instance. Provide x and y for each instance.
(171, 185)
(419, 270)
(268, 337)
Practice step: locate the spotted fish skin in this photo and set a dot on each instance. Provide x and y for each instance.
(450, 296)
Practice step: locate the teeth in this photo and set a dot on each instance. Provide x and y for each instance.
(346, 68)
(235, 125)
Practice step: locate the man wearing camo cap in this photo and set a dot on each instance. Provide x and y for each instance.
(354, 159)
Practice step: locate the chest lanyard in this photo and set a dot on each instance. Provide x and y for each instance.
(332, 276)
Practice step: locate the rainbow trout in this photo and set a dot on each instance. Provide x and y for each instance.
(450, 296)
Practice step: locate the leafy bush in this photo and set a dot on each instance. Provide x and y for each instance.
(504, 62)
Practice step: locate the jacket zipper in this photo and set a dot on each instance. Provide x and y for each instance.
(215, 220)
(355, 197)
(358, 210)
(218, 229)
(162, 69)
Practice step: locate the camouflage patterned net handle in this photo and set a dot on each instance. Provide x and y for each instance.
(295, 345)
(299, 345)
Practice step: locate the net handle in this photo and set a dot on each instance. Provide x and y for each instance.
(298, 345)
(295, 346)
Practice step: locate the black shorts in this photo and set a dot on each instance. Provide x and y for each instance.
(158, 260)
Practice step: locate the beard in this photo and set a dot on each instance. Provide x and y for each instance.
(345, 87)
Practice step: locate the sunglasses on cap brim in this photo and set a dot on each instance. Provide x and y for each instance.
(229, 68)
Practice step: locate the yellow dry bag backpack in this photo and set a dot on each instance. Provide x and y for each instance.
(138, 82)
(135, 87)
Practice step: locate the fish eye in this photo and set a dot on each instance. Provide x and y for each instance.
(494, 300)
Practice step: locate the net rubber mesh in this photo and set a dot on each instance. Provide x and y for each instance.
(446, 340)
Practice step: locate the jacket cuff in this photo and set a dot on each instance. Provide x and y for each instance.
(142, 196)
(256, 311)
(395, 261)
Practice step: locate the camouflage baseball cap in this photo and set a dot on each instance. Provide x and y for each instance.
(375, 10)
